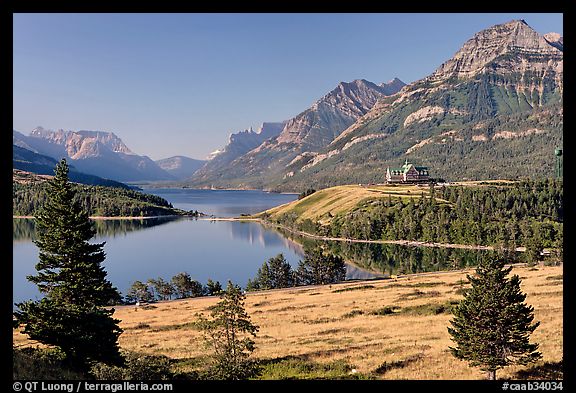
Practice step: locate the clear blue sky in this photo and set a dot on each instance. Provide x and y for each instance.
(179, 84)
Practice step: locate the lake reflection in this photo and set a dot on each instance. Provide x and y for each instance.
(24, 229)
(143, 249)
(395, 259)
(223, 250)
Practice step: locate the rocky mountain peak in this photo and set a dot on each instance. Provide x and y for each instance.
(99, 153)
(512, 37)
(392, 87)
(83, 143)
(555, 39)
(342, 106)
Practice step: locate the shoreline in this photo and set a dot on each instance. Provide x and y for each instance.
(411, 243)
(219, 189)
(115, 218)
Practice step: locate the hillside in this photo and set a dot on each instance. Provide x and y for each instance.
(324, 205)
(489, 213)
(29, 194)
(303, 135)
(494, 110)
(328, 331)
(28, 161)
(498, 100)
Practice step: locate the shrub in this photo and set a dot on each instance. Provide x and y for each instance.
(300, 368)
(385, 310)
(45, 364)
(136, 367)
(359, 288)
(353, 313)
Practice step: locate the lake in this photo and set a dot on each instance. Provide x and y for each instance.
(220, 250)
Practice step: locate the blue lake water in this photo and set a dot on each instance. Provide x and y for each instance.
(219, 250)
(222, 203)
(143, 249)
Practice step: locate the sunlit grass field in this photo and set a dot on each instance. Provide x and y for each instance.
(329, 202)
(381, 329)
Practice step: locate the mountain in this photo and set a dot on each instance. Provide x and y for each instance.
(299, 138)
(392, 87)
(180, 167)
(94, 152)
(239, 143)
(29, 161)
(493, 110)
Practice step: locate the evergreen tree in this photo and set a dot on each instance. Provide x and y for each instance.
(263, 279)
(492, 324)
(274, 273)
(139, 292)
(318, 268)
(185, 286)
(213, 287)
(281, 275)
(71, 315)
(229, 333)
(163, 290)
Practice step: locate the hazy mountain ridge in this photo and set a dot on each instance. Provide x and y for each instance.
(239, 143)
(28, 161)
(180, 167)
(98, 153)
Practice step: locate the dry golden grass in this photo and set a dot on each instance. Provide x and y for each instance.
(335, 200)
(331, 322)
(339, 199)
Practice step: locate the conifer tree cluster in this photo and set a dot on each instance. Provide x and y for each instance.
(317, 268)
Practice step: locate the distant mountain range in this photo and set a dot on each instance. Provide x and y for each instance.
(180, 167)
(254, 160)
(29, 161)
(239, 143)
(95, 153)
(493, 110)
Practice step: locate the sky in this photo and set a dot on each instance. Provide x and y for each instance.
(179, 84)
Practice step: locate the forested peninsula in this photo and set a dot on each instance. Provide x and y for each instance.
(29, 195)
(505, 214)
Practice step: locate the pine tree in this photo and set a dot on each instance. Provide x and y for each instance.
(229, 333)
(492, 324)
(139, 292)
(213, 287)
(71, 315)
(319, 268)
(281, 274)
(185, 286)
(275, 273)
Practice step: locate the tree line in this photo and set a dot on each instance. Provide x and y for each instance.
(317, 268)
(526, 213)
(28, 198)
(181, 286)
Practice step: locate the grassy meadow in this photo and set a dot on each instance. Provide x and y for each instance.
(378, 329)
(329, 202)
